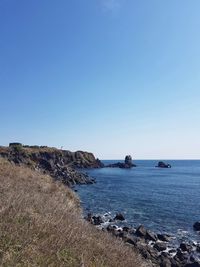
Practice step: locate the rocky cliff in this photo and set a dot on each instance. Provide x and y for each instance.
(60, 164)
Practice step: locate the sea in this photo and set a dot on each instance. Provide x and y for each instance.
(163, 200)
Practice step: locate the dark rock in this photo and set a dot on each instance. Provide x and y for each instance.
(165, 263)
(131, 240)
(164, 254)
(119, 217)
(161, 164)
(128, 160)
(99, 163)
(193, 258)
(181, 256)
(45, 164)
(148, 252)
(116, 233)
(127, 164)
(196, 226)
(163, 237)
(97, 220)
(111, 228)
(173, 250)
(15, 145)
(164, 258)
(151, 236)
(160, 246)
(141, 231)
(175, 263)
(186, 247)
(193, 264)
(89, 217)
(58, 163)
(126, 229)
(122, 234)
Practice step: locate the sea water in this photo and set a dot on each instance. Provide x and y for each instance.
(163, 200)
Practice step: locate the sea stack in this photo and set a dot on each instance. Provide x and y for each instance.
(127, 164)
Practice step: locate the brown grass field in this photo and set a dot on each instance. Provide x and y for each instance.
(41, 225)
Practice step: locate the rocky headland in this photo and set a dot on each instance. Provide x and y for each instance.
(62, 165)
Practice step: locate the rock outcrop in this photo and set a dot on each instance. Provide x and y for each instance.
(127, 164)
(161, 164)
(196, 226)
(63, 165)
(155, 248)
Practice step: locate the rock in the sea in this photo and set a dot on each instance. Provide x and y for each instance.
(141, 231)
(151, 236)
(164, 237)
(160, 246)
(185, 247)
(119, 217)
(128, 160)
(161, 164)
(196, 226)
(127, 164)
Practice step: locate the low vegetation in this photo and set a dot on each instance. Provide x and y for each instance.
(41, 225)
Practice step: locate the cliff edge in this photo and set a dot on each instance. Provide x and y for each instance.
(60, 164)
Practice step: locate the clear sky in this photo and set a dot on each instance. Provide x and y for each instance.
(114, 77)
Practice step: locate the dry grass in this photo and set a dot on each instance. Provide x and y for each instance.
(41, 225)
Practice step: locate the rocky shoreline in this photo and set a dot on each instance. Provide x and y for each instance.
(156, 248)
(68, 167)
(62, 165)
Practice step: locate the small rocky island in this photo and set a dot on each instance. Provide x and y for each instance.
(127, 164)
(162, 164)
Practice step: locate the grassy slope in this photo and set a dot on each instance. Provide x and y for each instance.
(41, 225)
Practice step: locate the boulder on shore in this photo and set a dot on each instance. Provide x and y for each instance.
(164, 237)
(146, 234)
(119, 217)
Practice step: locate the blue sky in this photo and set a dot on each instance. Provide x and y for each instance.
(114, 77)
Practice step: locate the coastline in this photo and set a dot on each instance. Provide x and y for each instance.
(41, 225)
(189, 254)
(159, 249)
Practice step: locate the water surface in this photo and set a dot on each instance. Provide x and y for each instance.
(164, 200)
